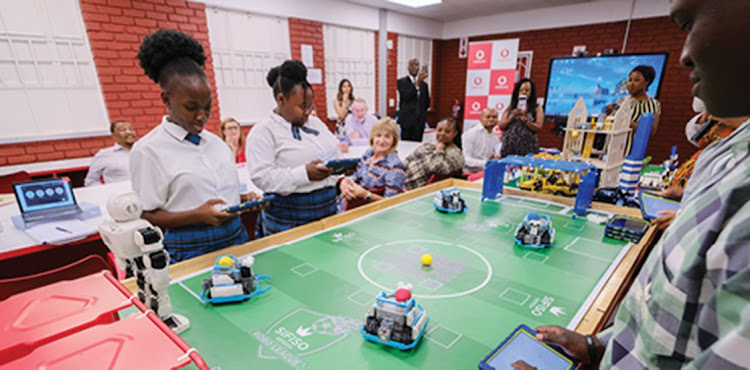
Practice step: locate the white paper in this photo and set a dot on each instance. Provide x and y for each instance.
(314, 76)
(60, 232)
(307, 55)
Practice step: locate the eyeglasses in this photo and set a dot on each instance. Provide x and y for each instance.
(233, 128)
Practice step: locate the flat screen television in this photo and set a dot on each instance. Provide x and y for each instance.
(599, 80)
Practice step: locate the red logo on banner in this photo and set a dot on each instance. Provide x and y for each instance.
(500, 106)
(505, 53)
(480, 55)
(501, 81)
(474, 106)
(477, 81)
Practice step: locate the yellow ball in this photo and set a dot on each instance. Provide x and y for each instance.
(226, 261)
(426, 259)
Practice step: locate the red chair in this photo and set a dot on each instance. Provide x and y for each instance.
(80, 268)
(354, 203)
(435, 178)
(475, 176)
(6, 181)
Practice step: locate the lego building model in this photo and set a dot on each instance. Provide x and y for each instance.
(579, 141)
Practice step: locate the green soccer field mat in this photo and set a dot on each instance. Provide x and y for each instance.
(479, 288)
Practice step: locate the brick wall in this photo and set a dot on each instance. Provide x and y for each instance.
(646, 35)
(304, 32)
(115, 29)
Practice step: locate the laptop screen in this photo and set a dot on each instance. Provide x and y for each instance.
(45, 194)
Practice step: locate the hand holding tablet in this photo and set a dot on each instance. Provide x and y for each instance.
(254, 205)
(339, 166)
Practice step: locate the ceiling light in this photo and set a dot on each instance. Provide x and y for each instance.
(416, 3)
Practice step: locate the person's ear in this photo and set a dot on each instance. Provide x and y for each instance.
(280, 98)
(165, 99)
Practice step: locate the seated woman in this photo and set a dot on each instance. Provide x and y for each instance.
(381, 173)
(520, 125)
(231, 133)
(442, 157)
(285, 154)
(179, 170)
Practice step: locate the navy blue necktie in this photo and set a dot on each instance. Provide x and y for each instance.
(193, 138)
(307, 130)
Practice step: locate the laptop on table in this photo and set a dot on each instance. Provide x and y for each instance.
(46, 199)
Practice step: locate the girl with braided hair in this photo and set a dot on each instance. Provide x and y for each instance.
(182, 172)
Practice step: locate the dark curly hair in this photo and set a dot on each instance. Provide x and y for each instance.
(285, 77)
(530, 102)
(166, 53)
(647, 72)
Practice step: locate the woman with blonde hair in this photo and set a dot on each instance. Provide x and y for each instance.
(231, 133)
(381, 173)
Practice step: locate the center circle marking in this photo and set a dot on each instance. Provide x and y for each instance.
(425, 296)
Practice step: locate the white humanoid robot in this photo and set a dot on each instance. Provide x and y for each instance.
(138, 244)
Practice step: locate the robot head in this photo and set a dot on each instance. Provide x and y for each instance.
(124, 207)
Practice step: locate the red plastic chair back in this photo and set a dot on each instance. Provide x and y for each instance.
(6, 181)
(85, 266)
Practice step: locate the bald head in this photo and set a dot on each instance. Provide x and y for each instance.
(488, 119)
(414, 67)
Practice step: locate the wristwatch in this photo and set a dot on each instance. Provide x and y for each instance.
(368, 197)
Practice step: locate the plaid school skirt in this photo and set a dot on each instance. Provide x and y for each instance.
(197, 239)
(286, 212)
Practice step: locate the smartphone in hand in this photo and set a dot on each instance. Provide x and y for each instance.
(522, 103)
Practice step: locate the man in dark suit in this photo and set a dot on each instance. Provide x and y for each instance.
(414, 98)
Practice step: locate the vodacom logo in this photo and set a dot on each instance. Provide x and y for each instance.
(479, 54)
(477, 81)
(499, 106)
(502, 80)
(475, 106)
(505, 53)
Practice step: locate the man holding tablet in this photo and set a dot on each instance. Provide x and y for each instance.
(690, 304)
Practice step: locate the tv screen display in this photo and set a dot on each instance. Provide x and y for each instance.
(599, 80)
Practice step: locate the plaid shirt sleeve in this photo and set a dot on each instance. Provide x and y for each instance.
(688, 307)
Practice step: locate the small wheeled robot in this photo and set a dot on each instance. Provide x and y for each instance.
(395, 320)
(449, 201)
(232, 280)
(535, 231)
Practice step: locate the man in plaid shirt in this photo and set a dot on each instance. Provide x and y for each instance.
(690, 304)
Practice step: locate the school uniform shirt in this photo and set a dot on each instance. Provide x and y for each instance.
(111, 164)
(478, 146)
(171, 173)
(277, 157)
(689, 307)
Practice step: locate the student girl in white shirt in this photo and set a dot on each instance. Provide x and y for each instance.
(285, 154)
(181, 171)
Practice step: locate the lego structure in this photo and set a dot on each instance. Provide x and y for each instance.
(579, 141)
(494, 175)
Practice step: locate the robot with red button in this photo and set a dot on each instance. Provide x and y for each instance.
(396, 320)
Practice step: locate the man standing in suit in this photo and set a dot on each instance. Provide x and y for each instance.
(414, 98)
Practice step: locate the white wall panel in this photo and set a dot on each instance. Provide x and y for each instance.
(48, 80)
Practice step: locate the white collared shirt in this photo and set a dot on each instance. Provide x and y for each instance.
(478, 146)
(276, 160)
(111, 164)
(173, 174)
